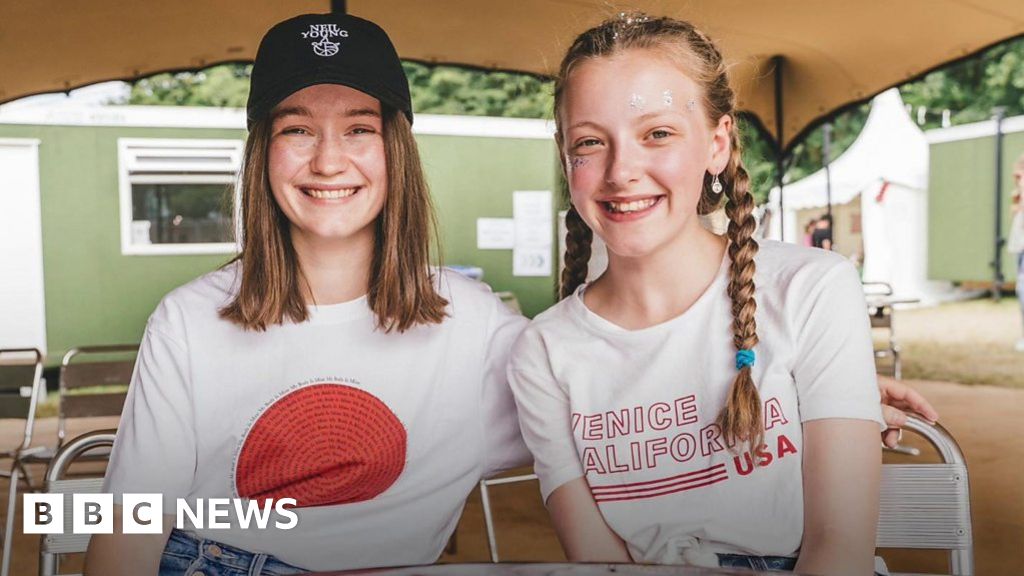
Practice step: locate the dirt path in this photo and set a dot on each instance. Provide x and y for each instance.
(986, 421)
(970, 342)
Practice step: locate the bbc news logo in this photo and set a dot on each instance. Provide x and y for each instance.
(144, 514)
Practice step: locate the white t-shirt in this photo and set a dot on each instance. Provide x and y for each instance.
(1015, 244)
(380, 437)
(634, 410)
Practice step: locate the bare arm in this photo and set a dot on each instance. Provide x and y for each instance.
(120, 554)
(841, 471)
(581, 529)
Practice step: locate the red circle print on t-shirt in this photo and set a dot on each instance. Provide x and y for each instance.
(322, 444)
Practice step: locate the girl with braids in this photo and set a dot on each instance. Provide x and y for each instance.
(707, 400)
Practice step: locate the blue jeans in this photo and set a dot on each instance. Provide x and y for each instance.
(760, 563)
(187, 554)
(757, 563)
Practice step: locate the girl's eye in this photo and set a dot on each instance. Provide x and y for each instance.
(587, 143)
(295, 131)
(362, 130)
(660, 134)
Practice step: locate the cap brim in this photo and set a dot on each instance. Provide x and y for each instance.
(290, 85)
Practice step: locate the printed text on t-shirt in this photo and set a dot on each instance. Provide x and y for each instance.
(671, 434)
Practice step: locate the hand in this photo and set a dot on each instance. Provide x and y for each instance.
(898, 398)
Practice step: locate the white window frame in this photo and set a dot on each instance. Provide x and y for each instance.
(138, 161)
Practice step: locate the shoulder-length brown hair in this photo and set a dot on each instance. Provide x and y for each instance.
(401, 292)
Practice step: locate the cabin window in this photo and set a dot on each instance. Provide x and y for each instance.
(178, 196)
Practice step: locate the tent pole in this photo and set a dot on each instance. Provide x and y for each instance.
(780, 149)
(997, 263)
(339, 7)
(826, 155)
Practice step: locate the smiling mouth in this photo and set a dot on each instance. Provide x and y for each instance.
(330, 194)
(631, 206)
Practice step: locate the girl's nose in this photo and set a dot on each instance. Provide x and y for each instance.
(329, 157)
(624, 166)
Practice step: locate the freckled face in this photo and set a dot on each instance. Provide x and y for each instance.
(326, 163)
(636, 159)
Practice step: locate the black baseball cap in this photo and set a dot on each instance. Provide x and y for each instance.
(326, 49)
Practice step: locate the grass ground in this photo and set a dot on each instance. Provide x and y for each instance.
(968, 342)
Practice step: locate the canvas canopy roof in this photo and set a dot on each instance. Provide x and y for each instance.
(835, 52)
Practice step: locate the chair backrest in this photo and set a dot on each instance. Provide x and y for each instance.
(21, 371)
(51, 545)
(877, 288)
(94, 382)
(881, 316)
(485, 499)
(928, 505)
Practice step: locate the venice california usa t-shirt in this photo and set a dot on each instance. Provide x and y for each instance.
(633, 411)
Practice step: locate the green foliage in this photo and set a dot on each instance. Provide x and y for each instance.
(453, 90)
(970, 89)
(809, 155)
(758, 159)
(226, 85)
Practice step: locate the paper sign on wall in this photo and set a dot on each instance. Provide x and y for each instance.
(495, 233)
(531, 213)
(531, 262)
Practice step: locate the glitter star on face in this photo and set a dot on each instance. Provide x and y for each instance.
(691, 104)
(666, 97)
(636, 102)
(577, 162)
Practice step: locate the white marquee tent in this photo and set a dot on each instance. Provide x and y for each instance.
(887, 168)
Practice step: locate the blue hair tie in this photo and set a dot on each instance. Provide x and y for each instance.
(744, 358)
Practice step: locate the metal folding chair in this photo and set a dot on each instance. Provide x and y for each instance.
(21, 383)
(881, 316)
(928, 506)
(113, 367)
(51, 546)
(86, 376)
(485, 499)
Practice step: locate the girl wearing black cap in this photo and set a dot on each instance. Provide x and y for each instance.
(328, 364)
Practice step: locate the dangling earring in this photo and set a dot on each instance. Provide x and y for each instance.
(716, 185)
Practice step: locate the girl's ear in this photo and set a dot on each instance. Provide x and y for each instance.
(721, 145)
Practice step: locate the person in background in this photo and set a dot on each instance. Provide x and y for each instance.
(809, 232)
(821, 237)
(1015, 244)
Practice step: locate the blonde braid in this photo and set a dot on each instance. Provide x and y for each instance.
(741, 419)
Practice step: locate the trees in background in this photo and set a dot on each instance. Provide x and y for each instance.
(226, 85)
(969, 89)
